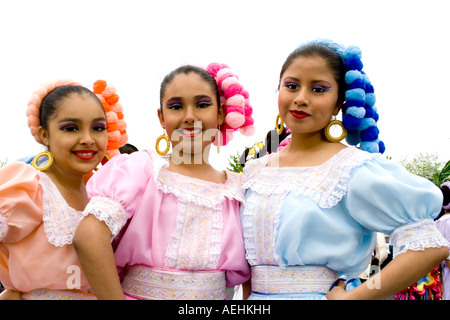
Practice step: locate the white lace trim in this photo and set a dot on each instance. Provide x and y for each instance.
(199, 223)
(109, 211)
(198, 230)
(200, 192)
(60, 220)
(417, 236)
(325, 184)
(260, 228)
(3, 226)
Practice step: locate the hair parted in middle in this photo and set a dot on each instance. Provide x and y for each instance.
(356, 92)
(229, 93)
(44, 102)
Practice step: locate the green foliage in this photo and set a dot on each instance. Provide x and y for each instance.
(234, 163)
(428, 166)
(3, 163)
(440, 176)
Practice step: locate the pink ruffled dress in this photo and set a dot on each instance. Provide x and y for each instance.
(37, 226)
(182, 236)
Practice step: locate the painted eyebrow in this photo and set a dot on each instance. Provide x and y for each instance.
(174, 98)
(200, 96)
(203, 96)
(314, 81)
(78, 120)
(99, 119)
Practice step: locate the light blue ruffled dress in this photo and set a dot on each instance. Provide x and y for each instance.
(305, 227)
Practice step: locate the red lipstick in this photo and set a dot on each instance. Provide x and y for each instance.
(85, 155)
(299, 114)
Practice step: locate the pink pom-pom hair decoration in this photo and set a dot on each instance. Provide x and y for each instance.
(235, 99)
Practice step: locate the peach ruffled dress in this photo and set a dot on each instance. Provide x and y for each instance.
(37, 226)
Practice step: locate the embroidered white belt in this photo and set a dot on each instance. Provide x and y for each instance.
(296, 279)
(50, 294)
(143, 282)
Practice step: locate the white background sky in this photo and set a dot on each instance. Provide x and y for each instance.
(133, 44)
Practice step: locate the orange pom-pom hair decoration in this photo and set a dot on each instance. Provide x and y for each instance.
(116, 125)
(34, 104)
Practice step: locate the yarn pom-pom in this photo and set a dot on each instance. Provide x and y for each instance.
(370, 99)
(116, 125)
(350, 122)
(375, 115)
(353, 137)
(213, 68)
(355, 94)
(123, 138)
(381, 147)
(352, 52)
(368, 88)
(111, 100)
(353, 75)
(369, 134)
(235, 119)
(99, 86)
(370, 146)
(235, 100)
(366, 123)
(232, 90)
(357, 112)
(247, 130)
(358, 83)
(369, 112)
(354, 64)
(34, 104)
(354, 103)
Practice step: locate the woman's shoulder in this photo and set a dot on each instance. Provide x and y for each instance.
(351, 157)
(121, 164)
(325, 183)
(123, 174)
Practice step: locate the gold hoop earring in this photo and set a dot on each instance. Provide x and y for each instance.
(279, 122)
(105, 159)
(158, 140)
(47, 154)
(328, 134)
(218, 139)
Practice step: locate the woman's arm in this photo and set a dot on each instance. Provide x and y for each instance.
(246, 289)
(9, 294)
(403, 271)
(92, 242)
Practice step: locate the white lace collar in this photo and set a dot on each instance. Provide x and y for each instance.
(326, 184)
(60, 220)
(188, 189)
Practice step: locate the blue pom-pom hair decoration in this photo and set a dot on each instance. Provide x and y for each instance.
(360, 114)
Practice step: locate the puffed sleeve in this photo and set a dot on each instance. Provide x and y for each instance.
(383, 196)
(443, 225)
(116, 189)
(20, 201)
